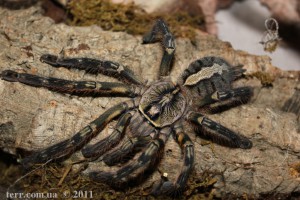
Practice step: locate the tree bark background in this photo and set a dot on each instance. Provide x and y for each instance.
(33, 118)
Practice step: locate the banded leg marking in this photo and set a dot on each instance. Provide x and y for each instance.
(217, 131)
(93, 66)
(127, 147)
(236, 94)
(109, 142)
(161, 28)
(148, 158)
(68, 146)
(80, 88)
(187, 148)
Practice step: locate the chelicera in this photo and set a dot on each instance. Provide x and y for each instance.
(154, 112)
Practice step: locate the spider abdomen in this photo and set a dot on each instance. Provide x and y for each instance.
(162, 103)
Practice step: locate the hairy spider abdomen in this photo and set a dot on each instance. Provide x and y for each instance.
(162, 103)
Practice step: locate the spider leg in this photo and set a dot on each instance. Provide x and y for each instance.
(109, 142)
(187, 147)
(228, 96)
(218, 132)
(127, 147)
(160, 29)
(134, 169)
(63, 149)
(93, 66)
(80, 88)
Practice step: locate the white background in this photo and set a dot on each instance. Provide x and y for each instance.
(243, 26)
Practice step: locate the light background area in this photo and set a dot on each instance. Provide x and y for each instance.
(243, 26)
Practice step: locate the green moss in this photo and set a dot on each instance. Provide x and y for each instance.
(130, 18)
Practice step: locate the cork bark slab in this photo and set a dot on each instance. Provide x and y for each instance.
(33, 118)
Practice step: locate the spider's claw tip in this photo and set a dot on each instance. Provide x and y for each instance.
(49, 59)
(9, 75)
(166, 187)
(247, 144)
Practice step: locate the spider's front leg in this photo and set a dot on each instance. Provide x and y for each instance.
(80, 88)
(219, 133)
(93, 66)
(160, 29)
(65, 148)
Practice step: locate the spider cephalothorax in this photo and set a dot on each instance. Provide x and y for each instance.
(154, 112)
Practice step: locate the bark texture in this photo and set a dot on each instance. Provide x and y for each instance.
(33, 118)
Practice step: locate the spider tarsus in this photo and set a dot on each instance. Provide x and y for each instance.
(167, 188)
(245, 144)
(49, 59)
(9, 75)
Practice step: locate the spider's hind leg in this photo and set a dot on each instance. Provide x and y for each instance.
(160, 31)
(65, 148)
(93, 66)
(134, 170)
(187, 147)
(219, 133)
(126, 150)
(101, 147)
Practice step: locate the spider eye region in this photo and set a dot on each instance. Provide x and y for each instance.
(162, 104)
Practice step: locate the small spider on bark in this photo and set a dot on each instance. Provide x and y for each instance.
(154, 112)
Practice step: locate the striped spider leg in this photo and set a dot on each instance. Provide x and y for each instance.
(65, 148)
(210, 80)
(133, 170)
(160, 31)
(219, 133)
(94, 66)
(187, 147)
(145, 122)
(80, 88)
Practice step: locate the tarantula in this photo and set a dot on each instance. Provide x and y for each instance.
(154, 112)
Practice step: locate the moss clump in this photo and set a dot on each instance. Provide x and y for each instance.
(265, 78)
(64, 182)
(130, 18)
(295, 170)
